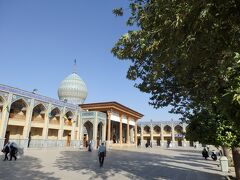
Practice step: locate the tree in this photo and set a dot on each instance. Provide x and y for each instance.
(213, 128)
(185, 54)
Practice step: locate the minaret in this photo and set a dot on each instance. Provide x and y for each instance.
(75, 66)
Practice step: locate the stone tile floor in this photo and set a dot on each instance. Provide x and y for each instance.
(134, 163)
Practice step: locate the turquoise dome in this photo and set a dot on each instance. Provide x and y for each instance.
(73, 89)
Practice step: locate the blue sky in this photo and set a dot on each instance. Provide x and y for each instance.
(40, 39)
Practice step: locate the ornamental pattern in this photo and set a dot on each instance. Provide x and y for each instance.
(161, 124)
(103, 121)
(30, 95)
(86, 120)
(4, 95)
(17, 97)
(39, 102)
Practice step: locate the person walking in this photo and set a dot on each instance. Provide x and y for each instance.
(101, 154)
(13, 151)
(6, 150)
(90, 146)
(205, 153)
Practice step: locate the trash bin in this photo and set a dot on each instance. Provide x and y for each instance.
(224, 163)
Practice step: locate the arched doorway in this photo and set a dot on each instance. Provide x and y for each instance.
(156, 134)
(178, 134)
(54, 116)
(88, 133)
(17, 115)
(68, 121)
(36, 133)
(54, 123)
(167, 134)
(139, 135)
(147, 135)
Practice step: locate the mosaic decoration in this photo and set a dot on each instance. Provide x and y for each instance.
(102, 115)
(161, 124)
(4, 95)
(88, 114)
(71, 110)
(39, 102)
(86, 120)
(17, 97)
(54, 106)
(31, 95)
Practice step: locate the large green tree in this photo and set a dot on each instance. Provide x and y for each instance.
(185, 54)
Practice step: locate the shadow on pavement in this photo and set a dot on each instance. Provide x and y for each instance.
(25, 168)
(135, 165)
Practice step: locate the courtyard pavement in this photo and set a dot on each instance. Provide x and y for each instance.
(140, 163)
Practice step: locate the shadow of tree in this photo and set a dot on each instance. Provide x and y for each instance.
(25, 168)
(135, 165)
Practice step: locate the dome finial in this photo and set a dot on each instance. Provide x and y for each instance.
(75, 66)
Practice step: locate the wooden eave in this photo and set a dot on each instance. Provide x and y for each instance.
(105, 106)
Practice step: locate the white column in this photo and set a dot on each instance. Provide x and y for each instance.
(135, 133)
(184, 139)
(46, 122)
(80, 131)
(104, 131)
(173, 135)
(74, 120)
(128, 139)
(78, 127)
(95, 128)
(5, 115)
(27, 126)
(142, 136)
(131, 134)
(60, 130)
(162, 137)
(151, 134)
(109, 128)
(120, 129)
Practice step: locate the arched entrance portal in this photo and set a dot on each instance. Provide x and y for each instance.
(88, 133)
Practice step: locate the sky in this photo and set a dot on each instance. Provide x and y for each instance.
(40, 39)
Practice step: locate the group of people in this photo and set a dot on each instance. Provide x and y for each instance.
(205, 154)
(10, 148)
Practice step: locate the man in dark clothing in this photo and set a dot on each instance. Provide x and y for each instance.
(13, 152)
(205, 153)
(6, 150)
(101, 154)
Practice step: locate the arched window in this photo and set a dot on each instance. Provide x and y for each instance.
(38, 114)
(18, 110)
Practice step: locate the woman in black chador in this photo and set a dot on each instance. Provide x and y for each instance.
(205, 153)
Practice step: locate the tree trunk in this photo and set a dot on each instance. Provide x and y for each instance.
(227, 153)
(236, 160)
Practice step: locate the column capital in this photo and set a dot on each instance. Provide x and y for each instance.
(109, 112)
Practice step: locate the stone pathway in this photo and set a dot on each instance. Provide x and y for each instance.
(141, 163)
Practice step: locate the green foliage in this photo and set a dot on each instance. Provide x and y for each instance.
(118, 11)
(186, 54)
(181, 50)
